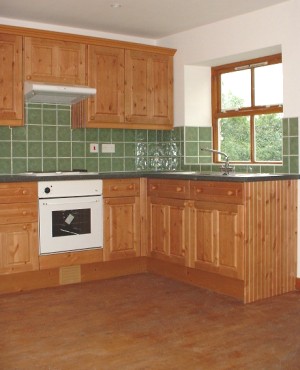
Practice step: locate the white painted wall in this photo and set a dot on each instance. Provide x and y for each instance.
(259, 33)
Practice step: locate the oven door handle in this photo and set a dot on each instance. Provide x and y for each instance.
(78, 201)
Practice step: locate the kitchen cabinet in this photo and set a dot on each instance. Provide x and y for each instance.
(55, 61)
(168, 215)
(122, 237)
(18, 227)
(106, 74)
(11, 80)
(134, 88)
(149, 89)
(217, 228)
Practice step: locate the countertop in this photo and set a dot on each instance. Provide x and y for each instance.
(184, 175)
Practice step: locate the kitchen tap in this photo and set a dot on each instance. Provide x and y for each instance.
(226, 168)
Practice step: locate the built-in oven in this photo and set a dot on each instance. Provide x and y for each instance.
(70, 215)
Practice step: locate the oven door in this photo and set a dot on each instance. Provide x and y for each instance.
(70, 224)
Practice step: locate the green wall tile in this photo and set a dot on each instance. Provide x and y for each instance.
(64, 164)
(191, 134)
(35, 164)
(92, 164)
(19, 133)
(5, 149)
(19, 149)
(19, 165)
(49, 164)
(118, 164)
(63, 133)
(5, 165)
(49, 117)
(105, 165)
(63, 149)
(5, 133)
(34, 117)
(35, 149)
(49, 133)
(78, 163)
(63, 117)
(78, 149)
(34, 133)
(78, 134)
(49, 149)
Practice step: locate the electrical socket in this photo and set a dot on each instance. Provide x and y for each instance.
(108, 148)
(94, 148)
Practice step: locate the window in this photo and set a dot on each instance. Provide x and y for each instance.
(247, 110)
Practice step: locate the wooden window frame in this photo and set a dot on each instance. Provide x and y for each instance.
(217, 112)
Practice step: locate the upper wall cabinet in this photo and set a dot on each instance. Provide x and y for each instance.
(134, 89)
(11, 97)
(149, 89)
(106, 74)
(55, 61)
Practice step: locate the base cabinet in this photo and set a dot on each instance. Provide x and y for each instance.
(122, 237)
(168, 229)
(18, 227)
(217, 238)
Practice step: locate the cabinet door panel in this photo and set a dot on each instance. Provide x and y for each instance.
(19, 248)
(54, 61)
(11, 79)
(218, 238)
(106, 74)
(168, 221)
(148, 89)
(121, 228)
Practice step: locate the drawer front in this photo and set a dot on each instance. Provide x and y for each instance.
(18, 192)
(178, 189)
(121, 188)
(18, 213)
(217, 191)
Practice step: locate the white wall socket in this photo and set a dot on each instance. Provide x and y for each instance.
(108, 148)
(94, 148)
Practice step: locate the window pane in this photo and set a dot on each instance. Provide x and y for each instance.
(234, 136)
(268, 137)
(236, 90)
(268, 85)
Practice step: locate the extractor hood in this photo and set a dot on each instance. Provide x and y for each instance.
(56, 94)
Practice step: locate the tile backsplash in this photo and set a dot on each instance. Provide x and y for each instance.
(47, 143)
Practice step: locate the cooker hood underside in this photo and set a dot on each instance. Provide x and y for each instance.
(56, 94)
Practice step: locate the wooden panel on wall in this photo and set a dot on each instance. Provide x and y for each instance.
(270, 238)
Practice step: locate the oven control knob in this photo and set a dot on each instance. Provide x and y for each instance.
(47, 190)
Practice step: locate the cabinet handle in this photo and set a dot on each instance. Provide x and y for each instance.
(230, 192)
(178, 189)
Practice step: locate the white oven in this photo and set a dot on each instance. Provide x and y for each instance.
(70, 215)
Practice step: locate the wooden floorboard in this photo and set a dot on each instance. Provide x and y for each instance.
(146, 322)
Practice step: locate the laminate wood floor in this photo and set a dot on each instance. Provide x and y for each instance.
(144, 322)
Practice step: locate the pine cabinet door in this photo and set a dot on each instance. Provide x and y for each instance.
(217, 238)
(11, 91)
(55, 61)
(106, 74)
(148, 89)
(168, 233)
(121, 228)
(18, 248)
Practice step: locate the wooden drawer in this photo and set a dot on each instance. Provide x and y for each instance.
(18, 213)
(18, 192)
(218, 191)
(121, 188)
(178, 189)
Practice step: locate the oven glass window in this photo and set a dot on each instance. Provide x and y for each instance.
(71, 222)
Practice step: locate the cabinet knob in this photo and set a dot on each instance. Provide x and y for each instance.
(130, 187)
(230, 192)
(114, 188)
(28, 77)
(92, 118)
(178, 189)
(153, 187)
(24, 192)
(24, 227)
(24, 213)
(198, 190)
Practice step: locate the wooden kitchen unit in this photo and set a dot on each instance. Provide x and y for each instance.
(237, 238)
(240, 237)
(18, 228)
(11, 81)
(134, 82)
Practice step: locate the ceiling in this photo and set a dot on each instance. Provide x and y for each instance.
(142, 18)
